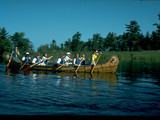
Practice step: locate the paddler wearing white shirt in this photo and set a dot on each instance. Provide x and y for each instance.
(67, 59)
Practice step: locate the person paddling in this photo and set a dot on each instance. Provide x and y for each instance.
(36, 59)
(60, 60)
(76, 60)
(15, 53)
(94, 57)
(83, 58)
(45, 59)
(26, 59)
(67, 59)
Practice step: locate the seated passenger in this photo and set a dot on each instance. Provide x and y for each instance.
(83, 57)
(60, 60)
(76, 60)
(36, 59)
(26, 59)
(67, 59)
(15, 53)
(45, 62)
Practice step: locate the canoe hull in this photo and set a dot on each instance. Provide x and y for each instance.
(111, 66)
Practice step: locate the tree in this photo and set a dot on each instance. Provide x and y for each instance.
(156, 36)
(146, 42)
(133, 35)
(5, 43)
(76, 43)
(43, 49)
(97, 42)
(67, 45)
(122, 42)
(23, 44)
(62, 46)
(53, 45)
(111, 42)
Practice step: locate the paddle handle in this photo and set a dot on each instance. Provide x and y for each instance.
(62, 65)
(9, 62)
(79, 65)
(23, 65)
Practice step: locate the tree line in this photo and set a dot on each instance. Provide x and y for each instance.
(131, 40)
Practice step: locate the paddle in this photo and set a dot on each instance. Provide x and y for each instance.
(79, 65)
(62, 65)
(36, 63)
(96, 62)
(9, 62)
(23, 65)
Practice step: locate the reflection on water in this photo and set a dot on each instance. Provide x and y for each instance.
(74, 78)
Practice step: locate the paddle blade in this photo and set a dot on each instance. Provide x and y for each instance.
(27, 68)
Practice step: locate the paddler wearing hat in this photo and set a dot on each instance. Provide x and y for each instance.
(26, 59)
(67, 59)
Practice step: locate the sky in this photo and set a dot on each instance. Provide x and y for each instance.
(45, 20)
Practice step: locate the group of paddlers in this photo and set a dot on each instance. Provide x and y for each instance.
(64, 60)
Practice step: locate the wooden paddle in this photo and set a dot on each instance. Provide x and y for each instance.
(62, 65)
(79, 65)
(9, 62)
(96, 62)
(36, 63)
(23, 65)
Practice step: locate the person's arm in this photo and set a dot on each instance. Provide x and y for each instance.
(92, 58)
(18, 53)
(74, 60)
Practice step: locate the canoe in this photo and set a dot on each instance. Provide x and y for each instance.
(15, 63)
(110, 66)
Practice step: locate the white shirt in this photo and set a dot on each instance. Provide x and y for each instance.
(44, 58)
(59, 60)
(67, 59)
(24, 58)
(34, 60)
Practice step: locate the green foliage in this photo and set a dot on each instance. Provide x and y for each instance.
(133, 35)
(5, 43)
(76, 43)
(23, 44)
(111, 42)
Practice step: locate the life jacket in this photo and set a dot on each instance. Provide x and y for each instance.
(37, 60)
(95, 57)
(77, 61)
(62, 61)
(26, 59)
(14, 54)
(46, 62)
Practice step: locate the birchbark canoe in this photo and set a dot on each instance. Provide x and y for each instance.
(110, 66)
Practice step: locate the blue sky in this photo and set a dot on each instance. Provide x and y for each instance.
(45, 20)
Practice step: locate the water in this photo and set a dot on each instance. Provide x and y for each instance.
(133, 91)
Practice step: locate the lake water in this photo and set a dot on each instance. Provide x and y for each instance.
(133, 91)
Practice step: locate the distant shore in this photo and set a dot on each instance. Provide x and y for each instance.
(142, 56)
